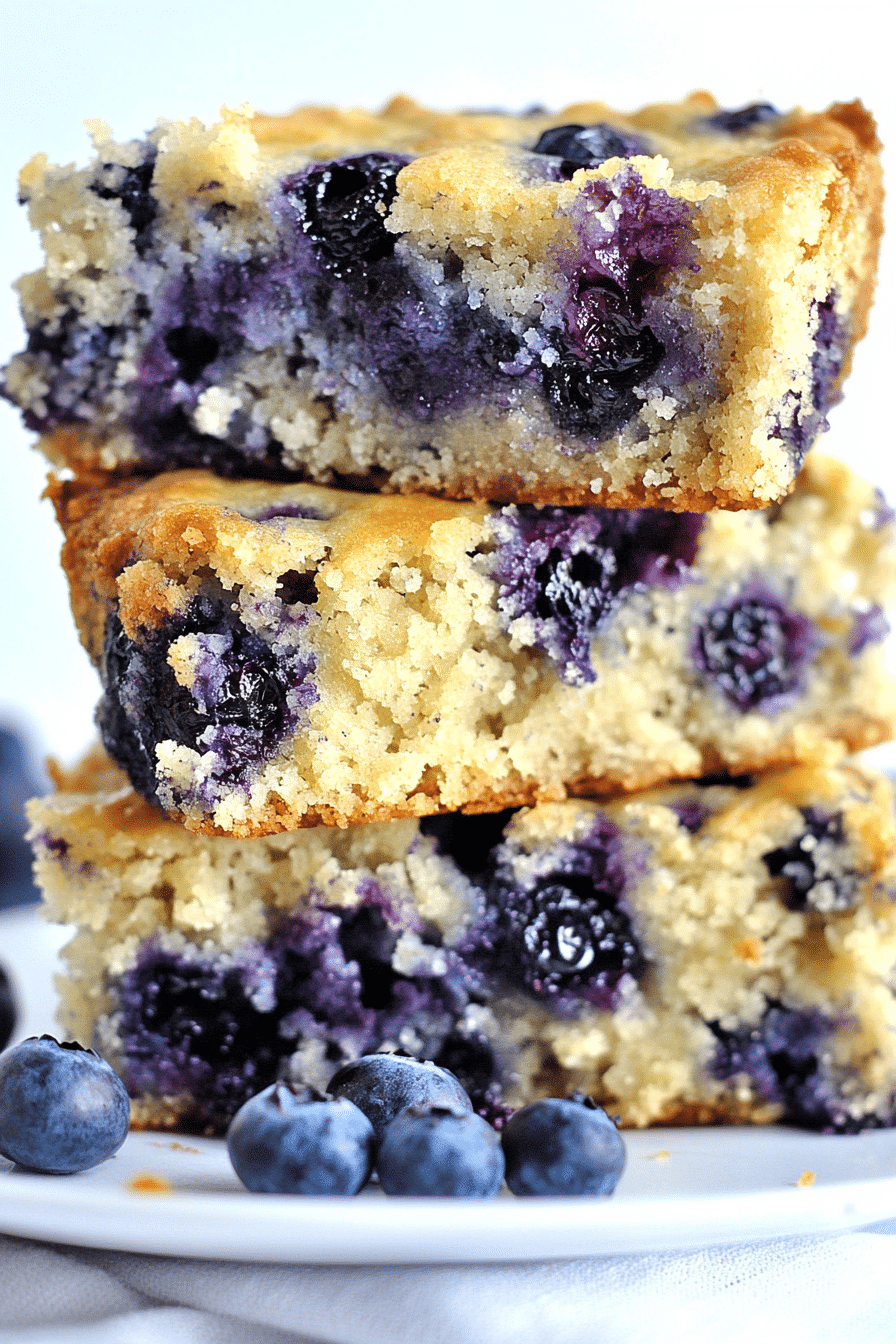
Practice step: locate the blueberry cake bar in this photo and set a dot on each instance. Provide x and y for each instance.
(653, 309)
(703, 952)
(278, 655)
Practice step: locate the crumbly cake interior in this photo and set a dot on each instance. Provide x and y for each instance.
(281, 655)
(584, 307)
(699, 953)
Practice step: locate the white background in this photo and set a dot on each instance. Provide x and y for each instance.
(66, 60)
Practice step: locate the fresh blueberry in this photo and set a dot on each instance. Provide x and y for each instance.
(295, 1141)
(440, 1150)
(62, 1108)
(754, 649)
(557, 1147)
(734, 120)
(7, 1009)
(343, 206)
(383, 1085)
(584, 146)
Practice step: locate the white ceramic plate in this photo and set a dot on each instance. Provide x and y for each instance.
(681, 1188)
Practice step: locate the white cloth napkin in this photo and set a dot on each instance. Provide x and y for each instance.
(799, 1290)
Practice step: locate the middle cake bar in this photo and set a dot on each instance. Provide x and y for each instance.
(275, 656)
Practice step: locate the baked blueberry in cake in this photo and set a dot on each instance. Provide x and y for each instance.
(589, 307)
(698, 953)
(278, 655)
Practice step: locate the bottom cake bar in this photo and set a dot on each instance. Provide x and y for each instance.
(706, 952)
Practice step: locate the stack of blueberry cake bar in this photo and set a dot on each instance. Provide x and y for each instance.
(484, 652)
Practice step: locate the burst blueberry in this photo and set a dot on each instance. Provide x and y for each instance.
(786, 1055)
(557, 1147)
(755, 649)
(343, 205)
(814, 865)
(384, 1085)
(440, 1150)
(566, 568)
(296, 1141)
(564, 935)
(62, 1107)
(243, 699)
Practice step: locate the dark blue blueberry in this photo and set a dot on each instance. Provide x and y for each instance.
(591, 388)
(295, 1141)
(440, 1150)
(755, 649)
(243, 702)
(133, 187)
(738, 119)
(566, 936)
(383, 1085)
(343, 206)
(784, 1056)
(556, 1147)
(568, 567)
(62, 1108)
(584, 146)
(7, 1009)
(812, 865)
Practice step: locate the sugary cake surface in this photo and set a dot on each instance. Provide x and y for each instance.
(579, 307)
(695, 954)
(275, 656)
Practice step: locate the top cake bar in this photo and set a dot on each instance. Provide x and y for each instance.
(653, 309)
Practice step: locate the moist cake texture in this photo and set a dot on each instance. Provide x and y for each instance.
(699, 953)
(653, 309)
(276, 656)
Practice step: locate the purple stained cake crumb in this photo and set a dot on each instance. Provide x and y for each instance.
(247, 693)
(784, 1055)
(755, 649)
(562, 933)
(566, 568)
(221, 1028)
(691, 814)
(869, 627)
